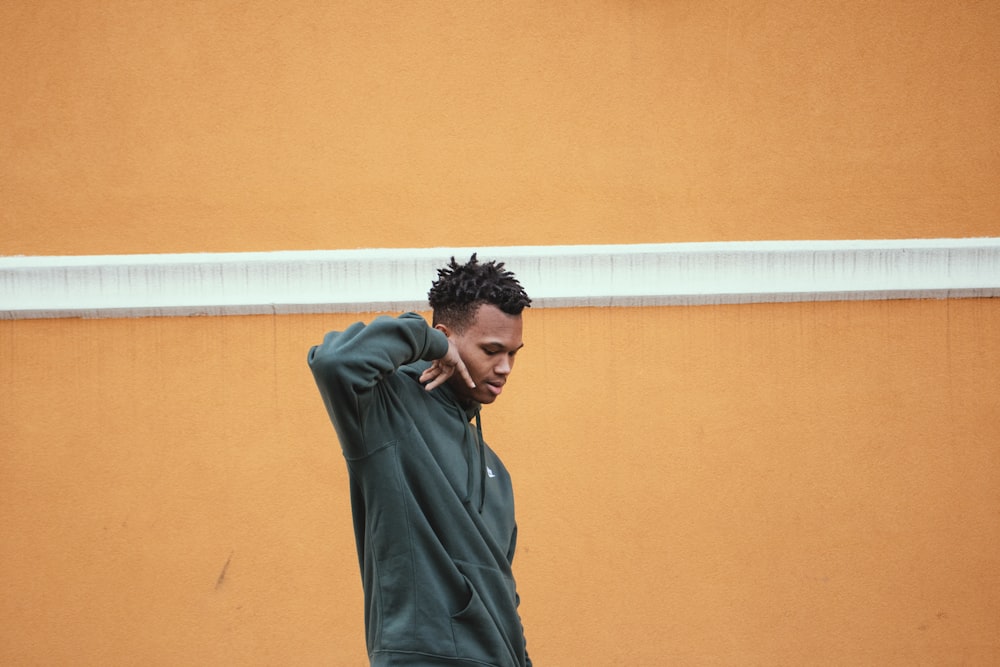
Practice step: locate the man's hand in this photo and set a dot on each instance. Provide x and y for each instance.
(445, 367)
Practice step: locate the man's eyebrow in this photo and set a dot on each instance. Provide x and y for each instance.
(496, 343)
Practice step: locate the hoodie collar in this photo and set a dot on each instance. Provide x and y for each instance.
(444, 392)
(476, 453)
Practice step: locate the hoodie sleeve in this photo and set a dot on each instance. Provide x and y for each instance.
(349, 365)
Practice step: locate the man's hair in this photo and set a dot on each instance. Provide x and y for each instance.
(461, 289)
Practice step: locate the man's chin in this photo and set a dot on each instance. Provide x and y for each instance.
(483, 394)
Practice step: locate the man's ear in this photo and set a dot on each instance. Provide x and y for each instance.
(443, 328)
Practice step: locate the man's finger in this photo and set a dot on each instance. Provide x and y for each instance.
(464, 372)
(429, 374)
(436, 382)
(437, 374)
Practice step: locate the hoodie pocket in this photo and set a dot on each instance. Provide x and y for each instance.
(476, 632)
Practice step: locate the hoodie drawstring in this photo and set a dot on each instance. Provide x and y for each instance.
(482, 464)
(478, 451)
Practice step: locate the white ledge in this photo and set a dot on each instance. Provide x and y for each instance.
(389, 280)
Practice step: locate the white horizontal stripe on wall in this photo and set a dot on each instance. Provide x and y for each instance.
(389, 280)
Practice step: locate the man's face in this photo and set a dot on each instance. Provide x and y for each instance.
(487, 346)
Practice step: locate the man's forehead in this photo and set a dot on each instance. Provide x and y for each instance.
(493, 326)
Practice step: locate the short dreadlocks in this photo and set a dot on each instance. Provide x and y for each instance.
(461, 288)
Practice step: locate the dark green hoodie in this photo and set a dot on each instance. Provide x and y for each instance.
(432, 503)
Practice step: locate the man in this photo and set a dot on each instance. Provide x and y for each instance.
(432, 503)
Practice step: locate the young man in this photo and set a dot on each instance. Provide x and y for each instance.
(432, 503)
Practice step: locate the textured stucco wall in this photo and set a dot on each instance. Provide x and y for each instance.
(222, 126)
(809, 483)
(763, 484)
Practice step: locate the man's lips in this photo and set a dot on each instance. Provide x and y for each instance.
(494, 387)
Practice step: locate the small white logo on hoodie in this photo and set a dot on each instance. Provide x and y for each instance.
(489, 472)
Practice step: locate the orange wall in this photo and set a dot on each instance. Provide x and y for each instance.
(227, 126)
(764, 484)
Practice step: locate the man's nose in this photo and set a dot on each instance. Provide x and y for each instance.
(504, 366)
